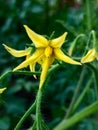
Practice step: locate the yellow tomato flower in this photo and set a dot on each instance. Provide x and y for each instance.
(90, 56)
(46, 52)
(2, 90)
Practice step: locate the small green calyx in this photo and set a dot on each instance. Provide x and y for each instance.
(32, 50)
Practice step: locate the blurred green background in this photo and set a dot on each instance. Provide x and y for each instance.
(44, 17)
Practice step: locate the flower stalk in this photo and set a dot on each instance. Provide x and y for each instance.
(18, 72)
(38, 110)
(28, 112)
(75, 94)
(88, 14)
(74, 43)
(95, 72)
(82, 95)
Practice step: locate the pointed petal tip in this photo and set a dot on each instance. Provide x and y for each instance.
(66, 33)
(5, 46)
(17, 68)
(79, 63)
(76, 63)
(25, 26)
(35, 76)
(2, 90)
(14, 70)
(58, 42)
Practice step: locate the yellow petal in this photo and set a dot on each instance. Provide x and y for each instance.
(89, 57)
(48, 51)
(2, 89)
(38, 40)
(34, 58)
(45, 66)
(32, 66)
(57, 43)
(41, 60)
(32, 69)
(17, 53)
(61, 56)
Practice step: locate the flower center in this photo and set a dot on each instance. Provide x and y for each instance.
(48, 51)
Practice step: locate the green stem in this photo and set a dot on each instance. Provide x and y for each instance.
(88, 14)
(81, 97)
(69, 28)
(65, 124)
(74, 43)
(92, 36)
(52, 69)
(95, 43)
(25, 116)
(95, 72)
(18, 72)
(26, 72)
(75, 94)
(38, 112)
(45, 126)
(34, 126)
(96, 83)
(39, 96)
(55, 67)
(5, 74)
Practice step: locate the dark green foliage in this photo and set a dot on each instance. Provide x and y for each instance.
(44, 17)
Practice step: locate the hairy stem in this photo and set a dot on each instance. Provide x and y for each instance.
(28, 112)
(88, 14)
(38, 109)
(81, 97)
(95, 72)
(18, 72)
(75, 94)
